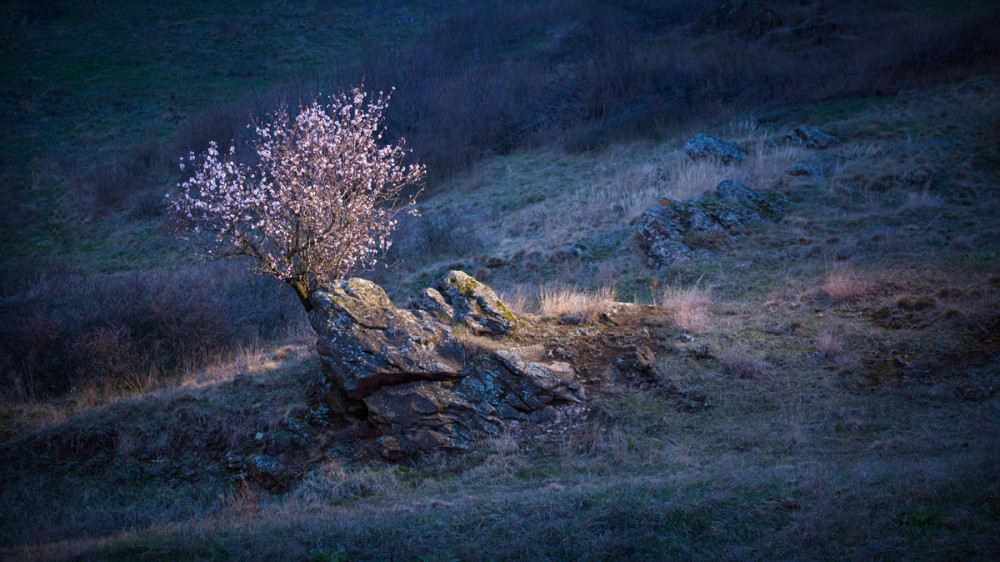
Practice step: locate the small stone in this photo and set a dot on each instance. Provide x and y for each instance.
(802, 170)
(812, 137)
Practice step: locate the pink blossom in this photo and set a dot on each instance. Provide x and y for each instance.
(320, 203)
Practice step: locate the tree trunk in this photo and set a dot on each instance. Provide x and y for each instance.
(302, 291)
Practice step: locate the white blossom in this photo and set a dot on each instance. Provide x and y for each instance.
(320, 203)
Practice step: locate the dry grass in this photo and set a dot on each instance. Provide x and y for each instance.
(922, 200)
(688, 306)
(518, 298)
(742, 363)
(574, 304)
(830, 344)
(844, 284)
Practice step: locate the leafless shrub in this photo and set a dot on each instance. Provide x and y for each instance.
(64, 328)
(461, 96)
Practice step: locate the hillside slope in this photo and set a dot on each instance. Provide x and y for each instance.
(825, 386)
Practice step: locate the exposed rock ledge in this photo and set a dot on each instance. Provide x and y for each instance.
(411, 375)
(664, 226)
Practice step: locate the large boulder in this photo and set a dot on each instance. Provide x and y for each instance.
(405, 371)
(366, 343)
(663, 227)
(705, 147)
(425, 416)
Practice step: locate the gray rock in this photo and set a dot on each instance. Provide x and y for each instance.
(750, 204)
(704, 146)
(433, 302)
(812, 137)
(663, 226)
(425, 416)
(405, 371)
(476, 305)
(365, 342)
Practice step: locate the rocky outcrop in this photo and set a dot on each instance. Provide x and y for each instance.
(406, 372)
(366, 343)
(705, 147)
(505, 388)
(475, 304)
(664, 226)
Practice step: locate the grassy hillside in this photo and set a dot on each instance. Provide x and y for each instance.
(826, 385)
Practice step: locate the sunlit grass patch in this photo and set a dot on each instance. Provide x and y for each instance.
(578, 305)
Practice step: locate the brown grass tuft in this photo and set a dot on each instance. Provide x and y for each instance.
(830, 345)
(575, 305)
(688, 307)
(846, 285)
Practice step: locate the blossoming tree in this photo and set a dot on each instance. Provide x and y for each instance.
(319, 203)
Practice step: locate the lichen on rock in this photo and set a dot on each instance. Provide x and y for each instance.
(365, 342)
(475, 304)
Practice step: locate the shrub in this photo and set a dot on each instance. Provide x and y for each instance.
(319, 202)
(63, 329)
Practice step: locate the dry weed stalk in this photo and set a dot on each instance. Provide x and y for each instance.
(574, 304)
(688, 307)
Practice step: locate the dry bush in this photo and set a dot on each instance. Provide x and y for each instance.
(517, 298)
(573, 304)
(460, 95)
(844, 284)
(688, 307)
(65, 330)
